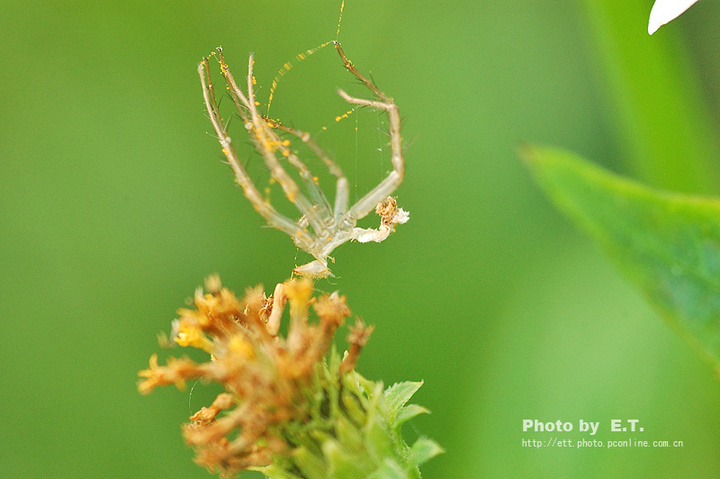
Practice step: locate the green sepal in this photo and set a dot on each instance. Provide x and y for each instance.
(342, 463)
(311, 466)
(276, 471)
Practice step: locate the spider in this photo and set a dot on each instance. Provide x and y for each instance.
(322, 227)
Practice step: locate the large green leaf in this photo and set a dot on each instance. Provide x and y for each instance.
(667, 244)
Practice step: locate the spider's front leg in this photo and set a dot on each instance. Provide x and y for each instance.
(342, 190)
(390, 216)
(301, 237)
(370, 201)
(378, 199)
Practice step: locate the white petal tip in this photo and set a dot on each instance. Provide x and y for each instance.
(665, 11)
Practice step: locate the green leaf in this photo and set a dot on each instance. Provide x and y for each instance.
(667, 244)
(423, 450)
(409, 412)
(398, 394)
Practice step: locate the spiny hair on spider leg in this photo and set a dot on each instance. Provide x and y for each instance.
(246, 162)
(227, 122)
(360, 83)
(212, 134)
(372, 79)
(408, 143)
(383, 131)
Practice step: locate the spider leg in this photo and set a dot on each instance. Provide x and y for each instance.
(267, 143)
(342, 190)
(369, 202)
(390, 216)
(342, 197)
(311, 183)
(301, 237)
(351, 68)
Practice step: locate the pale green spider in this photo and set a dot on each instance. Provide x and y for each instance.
(331, 226)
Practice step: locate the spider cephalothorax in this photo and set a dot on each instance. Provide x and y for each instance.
(322, 227)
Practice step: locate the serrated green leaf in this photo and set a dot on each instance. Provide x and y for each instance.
(400, 393)
(409, 412)
(423, 450)
(668, 244)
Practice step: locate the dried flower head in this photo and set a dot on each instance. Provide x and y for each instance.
(287, 406)
(262, 373)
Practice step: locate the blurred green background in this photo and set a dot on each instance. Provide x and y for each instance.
(116, 204)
